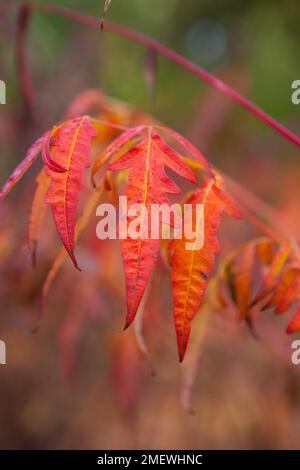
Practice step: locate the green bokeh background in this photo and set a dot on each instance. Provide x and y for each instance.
(262, 36)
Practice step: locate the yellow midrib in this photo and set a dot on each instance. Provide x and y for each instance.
(70, 156)
(145, 195)
(192, 262)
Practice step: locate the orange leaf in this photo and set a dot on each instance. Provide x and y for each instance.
(37, 213)
(191, 268)
(290, 296)
(273, 272)
(86, 102)
(242, 272)
(238, 279)
(70, 149)
(265, 250)
(284, 281)
(148, 184)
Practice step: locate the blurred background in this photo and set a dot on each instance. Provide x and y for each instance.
(78, 382)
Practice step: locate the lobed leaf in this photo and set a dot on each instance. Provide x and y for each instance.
(191, 269)
(285, 280)
(242, 273)
(279, 268)
(190, 148)
(70, 149)
(116, 146)
(272, 274)
(148, 184)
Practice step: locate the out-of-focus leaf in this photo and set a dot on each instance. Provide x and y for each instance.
(273, 272)
(37, 213)
(284, 281)
(80, 226)
(294, 325)
(32, 154)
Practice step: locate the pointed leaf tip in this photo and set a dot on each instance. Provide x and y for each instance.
(17, 174)
(149, 183)
(191, 268)
(71, 147)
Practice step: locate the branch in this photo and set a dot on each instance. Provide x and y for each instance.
(173, 56)
(247, 199)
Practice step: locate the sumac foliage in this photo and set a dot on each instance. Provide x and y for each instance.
(262, 275)
(142, 161)
(138, 162)
(90, 157)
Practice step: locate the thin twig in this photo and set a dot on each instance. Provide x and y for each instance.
(253, 202)
(173, 57)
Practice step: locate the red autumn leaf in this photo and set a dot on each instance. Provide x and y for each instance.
(290, 296)
(265, 250)
(191, 149)
(86, 102)
(278, 267)
(284, 281)
(237, 280)
(32, 154)
(241, 269)
(69, 148)
(115, 147)
(191, 268)
(294, 325)
(148, 184)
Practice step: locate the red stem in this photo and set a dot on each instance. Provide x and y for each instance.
(181, 61)
(174, 57)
